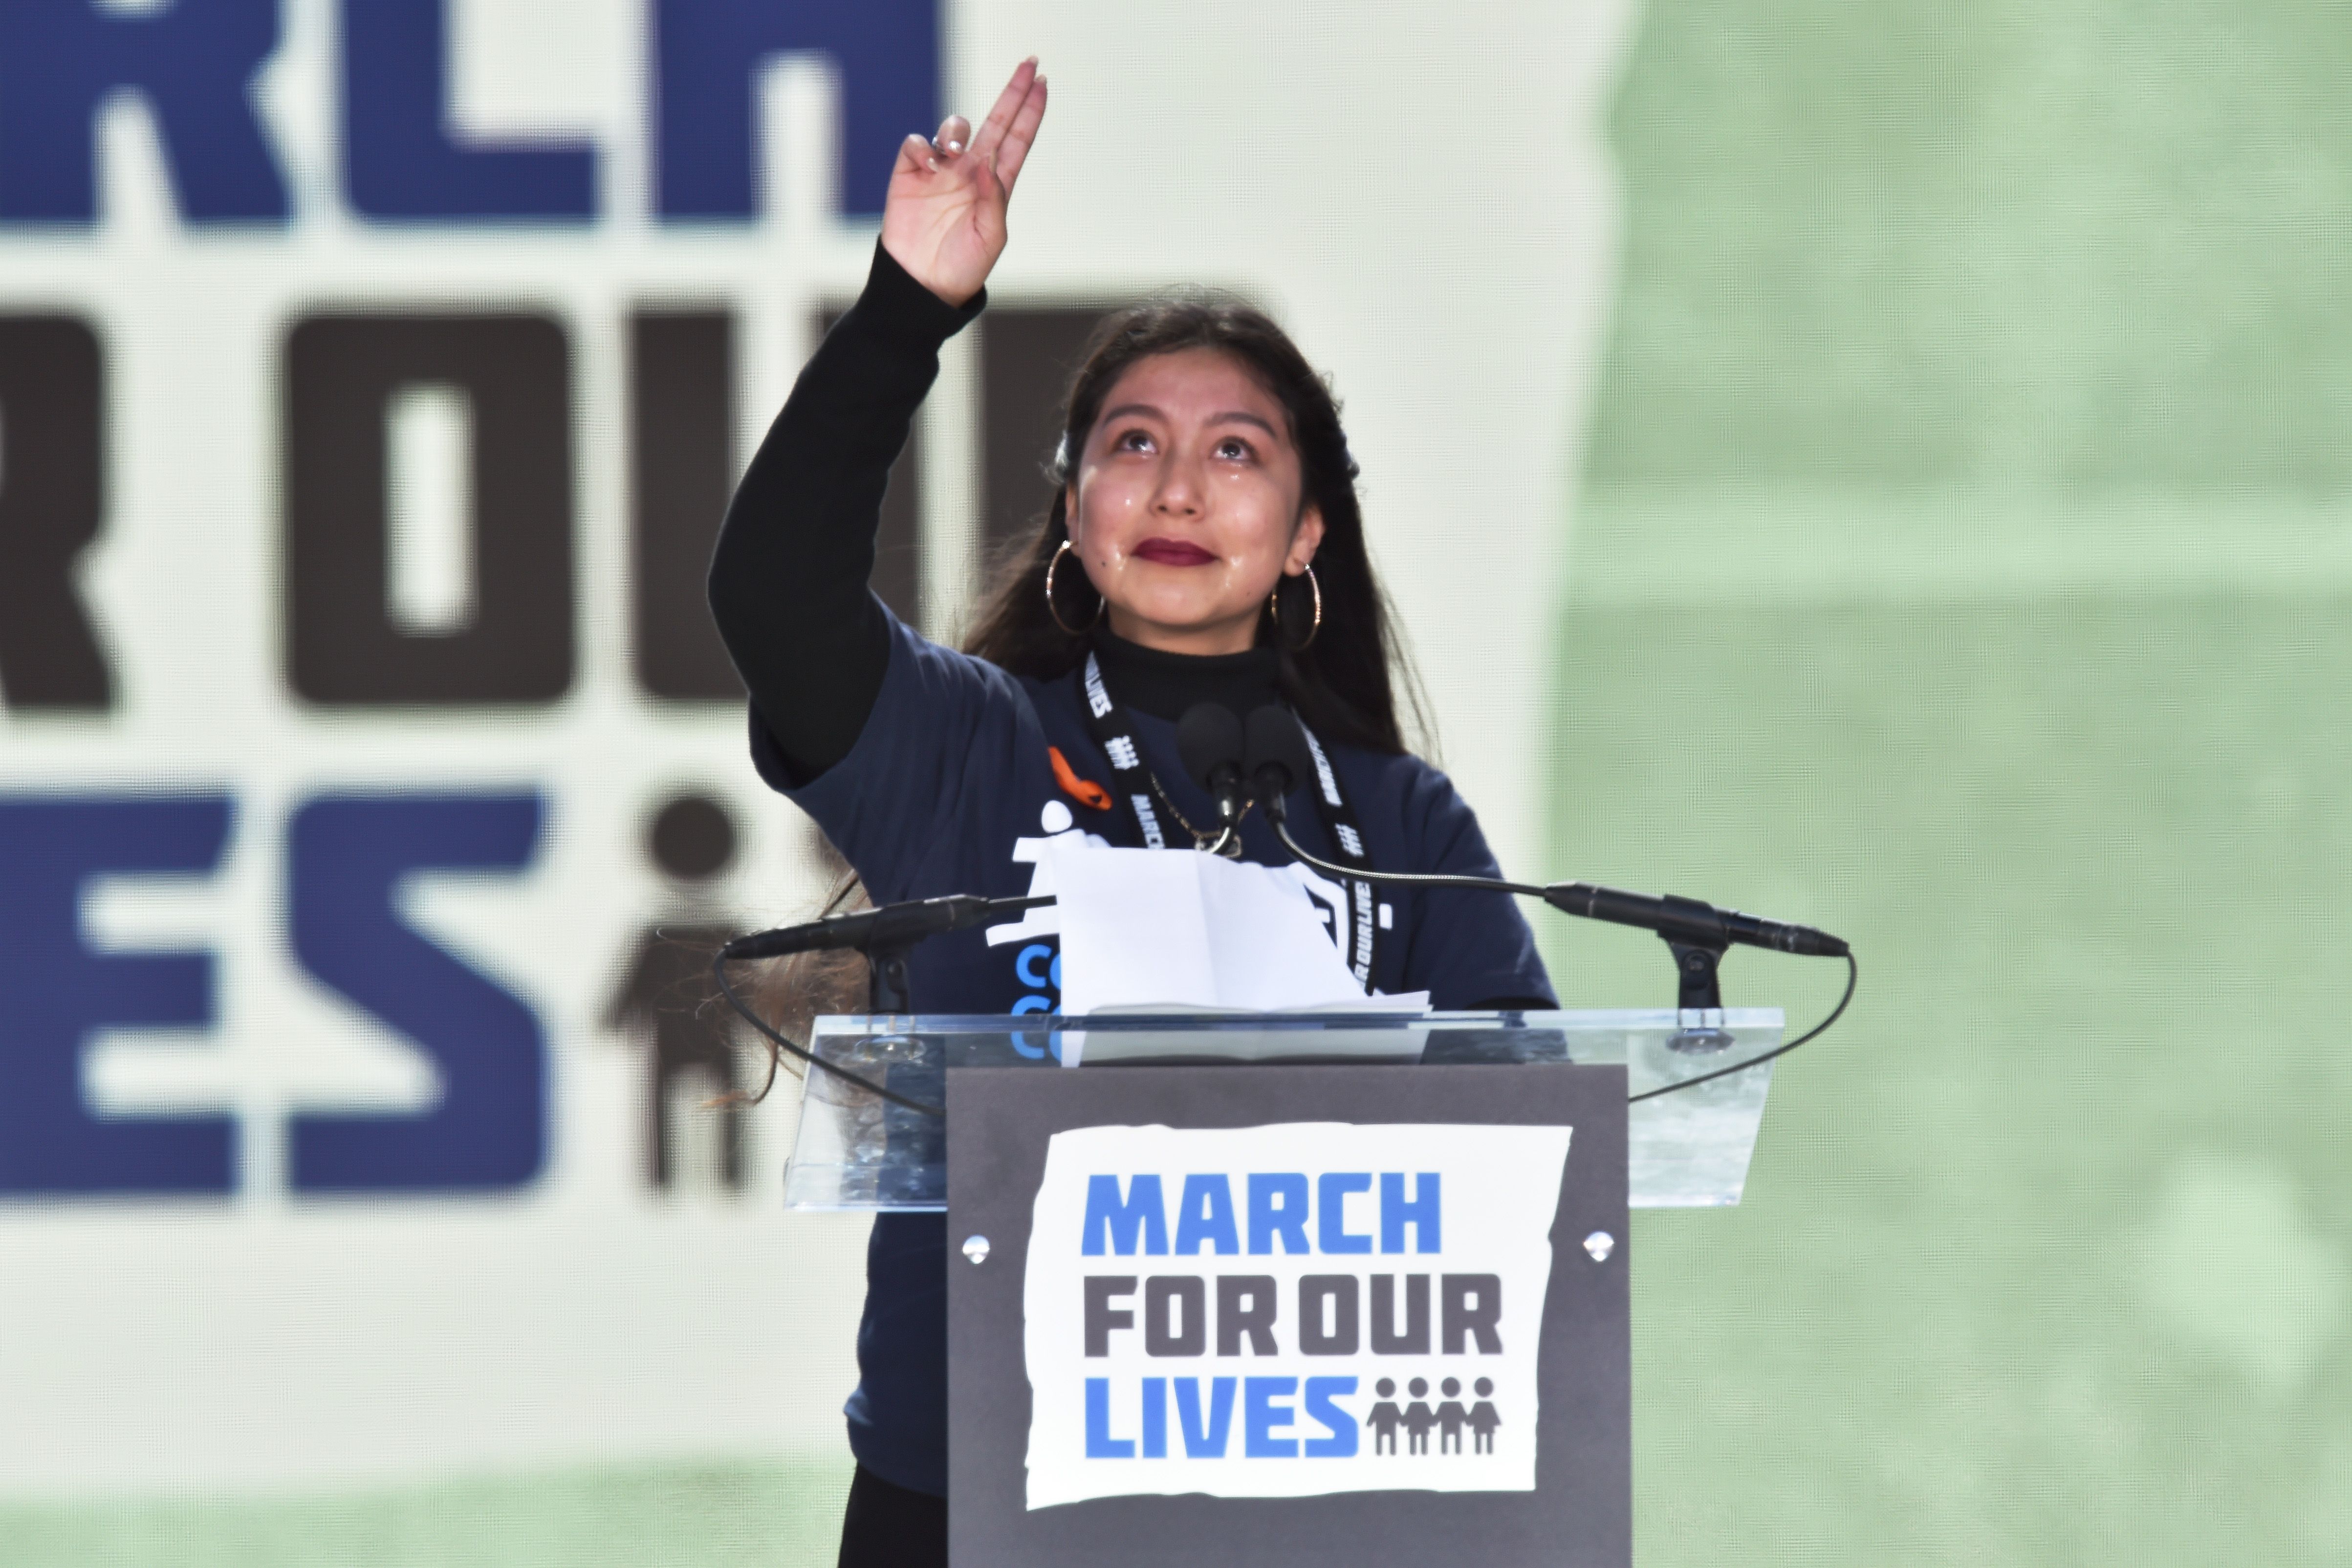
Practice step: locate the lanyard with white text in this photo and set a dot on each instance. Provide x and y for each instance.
(1134, 787)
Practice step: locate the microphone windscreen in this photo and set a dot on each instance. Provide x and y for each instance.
(1273, 737)
(1208, 737)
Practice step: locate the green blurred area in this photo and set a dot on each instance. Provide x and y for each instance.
(718, 1515)
(1962, 562)
(2071, 244)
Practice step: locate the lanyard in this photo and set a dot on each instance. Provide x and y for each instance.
(1134, 788)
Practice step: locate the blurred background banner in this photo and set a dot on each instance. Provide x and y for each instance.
(372, 376)
(1879, 466)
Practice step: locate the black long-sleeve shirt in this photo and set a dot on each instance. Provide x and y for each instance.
(788, 580)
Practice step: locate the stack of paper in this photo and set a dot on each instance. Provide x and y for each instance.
(1166, 928)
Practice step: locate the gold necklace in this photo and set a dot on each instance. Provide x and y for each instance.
(1201, 841)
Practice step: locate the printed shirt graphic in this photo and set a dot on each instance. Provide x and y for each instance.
(1287, 1311)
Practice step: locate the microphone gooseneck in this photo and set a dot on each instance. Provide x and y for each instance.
(1277, 760)
(1415, 878)
(892, 925)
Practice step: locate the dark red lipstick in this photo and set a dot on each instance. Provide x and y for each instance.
(1172, 553)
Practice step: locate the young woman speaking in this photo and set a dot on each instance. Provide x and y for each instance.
(1203, 544)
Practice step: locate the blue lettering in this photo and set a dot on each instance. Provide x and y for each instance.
(1341, 1443)
(1287, 1217)
(55, 992)
(1100, 1443)
(1261, 1417)
(348, 856)
(1118, 1220)
(1204, 1439)
(1205, 1213)
(1421, 1213)
(193, 62)
(1024, 968)
(1331, 1190)
(400, 161)
(1022, 1044)
(708, 54)
(1155, 1417)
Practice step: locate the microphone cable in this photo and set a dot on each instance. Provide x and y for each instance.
(719, 962)
(1852, 977)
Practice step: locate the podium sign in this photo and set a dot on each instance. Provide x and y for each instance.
(1288, 1314)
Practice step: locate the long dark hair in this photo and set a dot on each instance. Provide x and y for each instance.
(1344, 681)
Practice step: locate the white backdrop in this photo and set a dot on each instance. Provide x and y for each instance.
(1419, 192)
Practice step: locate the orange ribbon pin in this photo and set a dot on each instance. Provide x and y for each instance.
(1083, 791)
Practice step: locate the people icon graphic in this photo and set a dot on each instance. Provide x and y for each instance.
(664, 1004)
(1385, 1418)
(1449, 1419)
(1483, 1417)
(1452, 1417)
(1418, 1417)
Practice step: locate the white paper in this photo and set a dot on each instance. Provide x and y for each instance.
(1170, 928)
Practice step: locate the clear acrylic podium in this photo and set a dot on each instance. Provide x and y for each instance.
(1688, 1149)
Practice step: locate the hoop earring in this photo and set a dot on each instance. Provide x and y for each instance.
(1051, 609)
(1274, 608)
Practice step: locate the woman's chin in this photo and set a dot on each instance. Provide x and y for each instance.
(1155, 620)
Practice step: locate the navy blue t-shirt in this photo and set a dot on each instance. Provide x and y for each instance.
(951, 789)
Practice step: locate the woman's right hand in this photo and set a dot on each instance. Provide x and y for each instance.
(943, 220)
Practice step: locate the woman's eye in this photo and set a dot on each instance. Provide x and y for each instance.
(1133, 441)
(1234, 449)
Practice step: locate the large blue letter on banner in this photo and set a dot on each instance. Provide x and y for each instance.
(193, 61)
(710, 53)
(400, 161)
(348, 856)
(55, 992)
(1117, 1222)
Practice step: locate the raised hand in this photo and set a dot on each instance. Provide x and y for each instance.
(943, 220)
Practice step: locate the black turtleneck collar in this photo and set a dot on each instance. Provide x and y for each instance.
(1165, 684)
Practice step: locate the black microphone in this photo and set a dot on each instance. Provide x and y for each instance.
(1276, 760)
(1689, 920)
(1209, 741)
(892, 925)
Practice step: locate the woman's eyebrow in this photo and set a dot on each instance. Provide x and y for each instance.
(1231, 416)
